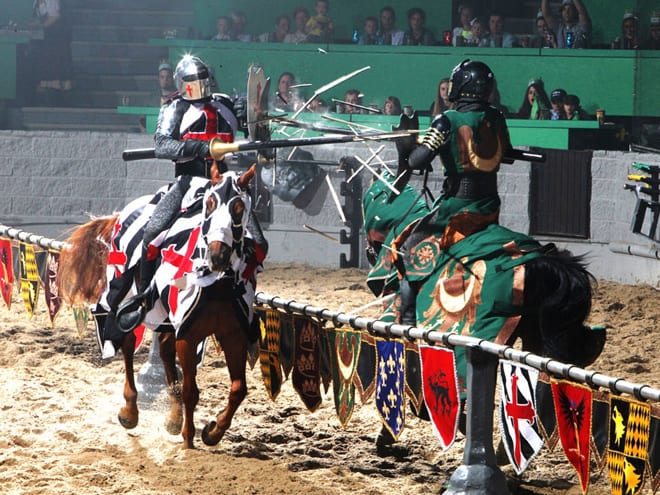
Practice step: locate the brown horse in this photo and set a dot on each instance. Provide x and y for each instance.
(82, 277)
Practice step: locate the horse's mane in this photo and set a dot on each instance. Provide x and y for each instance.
(81, 272)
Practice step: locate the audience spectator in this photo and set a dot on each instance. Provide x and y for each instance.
(389, 34)
(543, 37)
(317, 105)
(498, 37)
(166, 83)
(300, 18)
(460, 33)
(629, 38)
(370, 34)
(223, 29)
(653, 42)
(282, 26)
(479, 35)
(355, 97)
(238, 23)
(417, 33)
(573, 110)
(320, 27)
(536, 104)
(573, 28)
(51, 56)
(286, 98)
(392, 106)
(557, 101)
(441, 102)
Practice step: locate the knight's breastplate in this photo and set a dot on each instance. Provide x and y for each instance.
(205, 122)
(477, 144)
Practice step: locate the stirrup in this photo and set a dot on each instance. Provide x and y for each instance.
(132, 312)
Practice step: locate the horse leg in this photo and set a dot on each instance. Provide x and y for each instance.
(167, 343)
(186, 351)
(235, 347)
(128, 415)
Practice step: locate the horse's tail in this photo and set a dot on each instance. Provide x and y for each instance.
(81, 272)
(560, 287)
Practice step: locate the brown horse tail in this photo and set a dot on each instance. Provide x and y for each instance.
(81, 273)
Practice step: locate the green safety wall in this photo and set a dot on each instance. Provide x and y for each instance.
(624, 83)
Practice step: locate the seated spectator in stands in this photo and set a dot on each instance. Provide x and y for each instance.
(352, 96)
(629, 38)
(460, 33)
(536, 104)
(286, 98)
(653, 43)
(166, 83)
(317, 105)
(320, 27)
(573, 110)
(479, 35)
(50, 57)
(543, 37)
(498, 38)
(557, 101)
(300, 18)
(441, 102)
(282, 26)
(223, 29)
(238, 23)
(417, 34)
(573, 27)
(369, 35)
(388, 33)
(392, 106)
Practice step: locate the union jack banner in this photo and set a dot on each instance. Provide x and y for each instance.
(519, 427)
(6, 271)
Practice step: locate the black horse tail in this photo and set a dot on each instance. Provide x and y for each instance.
(559, 286)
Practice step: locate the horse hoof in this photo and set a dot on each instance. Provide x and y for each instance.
(173, 427)
(207, 438)
(127, 423)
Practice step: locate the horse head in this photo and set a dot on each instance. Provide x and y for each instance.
(386, 214)
(226, 210)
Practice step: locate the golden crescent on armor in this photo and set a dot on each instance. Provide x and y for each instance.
(455, 303)
(482, 163)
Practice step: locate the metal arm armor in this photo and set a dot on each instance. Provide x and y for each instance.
(435, 138)
(167, 139)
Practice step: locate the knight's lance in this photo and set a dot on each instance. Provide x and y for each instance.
(219, 148)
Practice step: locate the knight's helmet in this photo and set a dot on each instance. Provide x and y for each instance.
(192, 78)
(471, 81)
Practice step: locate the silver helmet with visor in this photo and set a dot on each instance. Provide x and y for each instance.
(192, 78)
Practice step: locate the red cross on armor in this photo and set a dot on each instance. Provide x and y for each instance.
(115, 256)
(518, 412)
(183, 262)
(189, 90)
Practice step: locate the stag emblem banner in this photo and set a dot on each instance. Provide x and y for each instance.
(440, 388)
